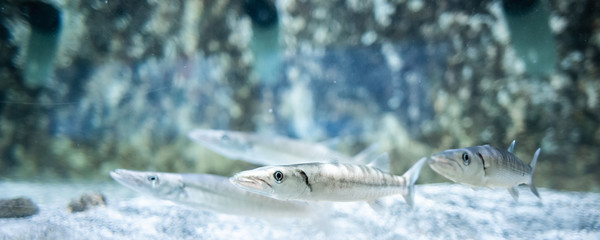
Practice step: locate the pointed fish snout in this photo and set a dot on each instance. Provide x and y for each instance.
(116, 174)
(121, 176)
(430, 161)
(249, 183)
(437, 159)
(196, 135)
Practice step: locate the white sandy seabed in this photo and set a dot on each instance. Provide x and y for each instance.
(442, 211)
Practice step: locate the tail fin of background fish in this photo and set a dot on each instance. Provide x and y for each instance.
(411, 177)
(381, 162)
(331, 143)
(366, 155)
(532, 165)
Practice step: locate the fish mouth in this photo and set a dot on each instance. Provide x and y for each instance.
(123, 177)
(434, 160)
(252, 184)
(443, 165)
(117, 176)
(199, 136)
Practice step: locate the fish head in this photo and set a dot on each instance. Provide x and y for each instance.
(162, 185)
(280, 182)
(228, 143)
(459, 165)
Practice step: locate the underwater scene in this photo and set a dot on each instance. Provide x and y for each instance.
(296, 119)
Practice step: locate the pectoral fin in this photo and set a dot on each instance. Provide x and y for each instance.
(377, 206)
(514, 192)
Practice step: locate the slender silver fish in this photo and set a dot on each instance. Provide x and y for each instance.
(486, 166)
(209, 192)
(330, 181)
(272, 150)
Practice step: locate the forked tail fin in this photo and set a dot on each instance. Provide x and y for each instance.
(532, 165)
(411, 177)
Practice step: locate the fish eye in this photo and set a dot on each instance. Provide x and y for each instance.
(152, 178)
(225, 138)
(466, 159)
(278, 175)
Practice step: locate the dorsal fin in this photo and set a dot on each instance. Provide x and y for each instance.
(511, 148)
(381, 162)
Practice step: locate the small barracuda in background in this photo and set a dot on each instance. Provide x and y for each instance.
(272, 150)
(209, 192)
(331, 181)
(486, 166)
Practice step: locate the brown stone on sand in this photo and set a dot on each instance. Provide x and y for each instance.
(87, 201)
(17, 207)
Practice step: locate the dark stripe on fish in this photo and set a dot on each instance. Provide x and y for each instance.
(265, 182)
(482, 160)
(303, 174)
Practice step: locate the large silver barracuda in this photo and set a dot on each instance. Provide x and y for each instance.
(486, 166)
(209, 192)
(272, 150)
(331, 181)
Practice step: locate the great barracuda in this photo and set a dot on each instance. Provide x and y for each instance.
(209, 192)
(271, 150)
(486, 166)
(330, 181)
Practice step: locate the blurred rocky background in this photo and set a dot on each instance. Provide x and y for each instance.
(87, 87)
